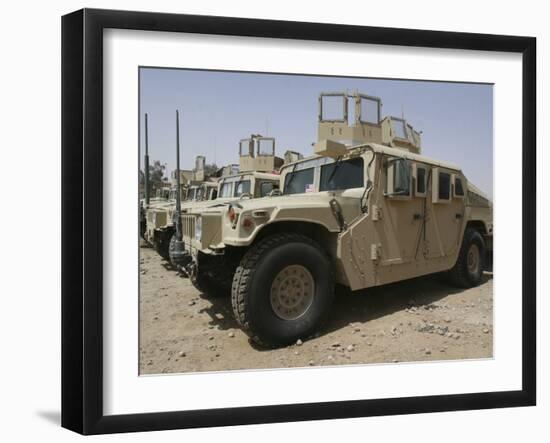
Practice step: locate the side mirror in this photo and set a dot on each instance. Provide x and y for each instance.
(274, 193)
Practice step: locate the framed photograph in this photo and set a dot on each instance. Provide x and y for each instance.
(269, 221)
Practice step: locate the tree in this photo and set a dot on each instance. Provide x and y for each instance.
(156, 174)
(210, 170)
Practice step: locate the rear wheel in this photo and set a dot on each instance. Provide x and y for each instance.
(468, 270)
(282, 289)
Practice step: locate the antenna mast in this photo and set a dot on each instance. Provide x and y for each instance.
(178, 195)
(147, 197)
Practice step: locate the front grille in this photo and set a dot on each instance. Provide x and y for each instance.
(188, 225)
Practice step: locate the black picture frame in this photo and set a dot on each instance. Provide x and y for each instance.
(82, 215)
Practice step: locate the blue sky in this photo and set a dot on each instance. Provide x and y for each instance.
(219, 108)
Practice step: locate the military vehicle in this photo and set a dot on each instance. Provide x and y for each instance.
(248, 183)
(158, 227)
(162, 195)
(365, 210)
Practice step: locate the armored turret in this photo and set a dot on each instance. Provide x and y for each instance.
(354, 118)
(257, 153)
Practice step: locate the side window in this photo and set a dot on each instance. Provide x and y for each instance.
(421, 178)
(444, 186)
(370, 110)
(333, 108)
(458, 188)
(266, 188)
(266, 146)
(398, 178)
(244, 148)
(398, 126)
(441, 190)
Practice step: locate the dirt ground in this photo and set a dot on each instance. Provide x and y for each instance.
(422, 319)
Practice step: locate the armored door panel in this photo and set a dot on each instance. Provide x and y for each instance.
(444, 218)
(399, 232)
(399, 224)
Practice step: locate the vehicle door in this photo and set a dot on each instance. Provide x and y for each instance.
(445, 213)
(398, 213)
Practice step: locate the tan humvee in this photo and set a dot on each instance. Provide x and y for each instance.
(158, 215)
(164, 197)
(363, 215)
(249, 179)
(159, 211)
(160, 222)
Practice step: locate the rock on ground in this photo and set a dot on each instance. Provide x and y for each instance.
(183, 331)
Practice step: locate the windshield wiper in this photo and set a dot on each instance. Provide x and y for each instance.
(336, 166)
(292, 175)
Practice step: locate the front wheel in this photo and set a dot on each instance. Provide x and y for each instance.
(162, 243)
(282, 289)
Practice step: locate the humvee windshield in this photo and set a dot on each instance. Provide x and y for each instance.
(243, 187)
(225, 191)
(298, 182)
(266, 188)
(199, 193)
(342, 175)
(191, 194)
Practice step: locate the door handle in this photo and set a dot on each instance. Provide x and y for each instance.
(417, 216)
(458, 216)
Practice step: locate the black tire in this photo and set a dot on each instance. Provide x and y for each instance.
(162, 244)
(253, 279)
(171, 247)
(461, 274)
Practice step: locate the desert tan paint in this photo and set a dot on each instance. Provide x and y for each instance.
(396, 238)
(159, 216)
(386, 237)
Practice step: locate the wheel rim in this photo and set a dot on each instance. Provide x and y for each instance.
(473, 259)
(292, 292)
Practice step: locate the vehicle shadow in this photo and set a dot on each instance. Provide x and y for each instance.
(369, 304)
(353, 307)
(220, 312)
(169, 266)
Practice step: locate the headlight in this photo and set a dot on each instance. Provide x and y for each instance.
(198, 228)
